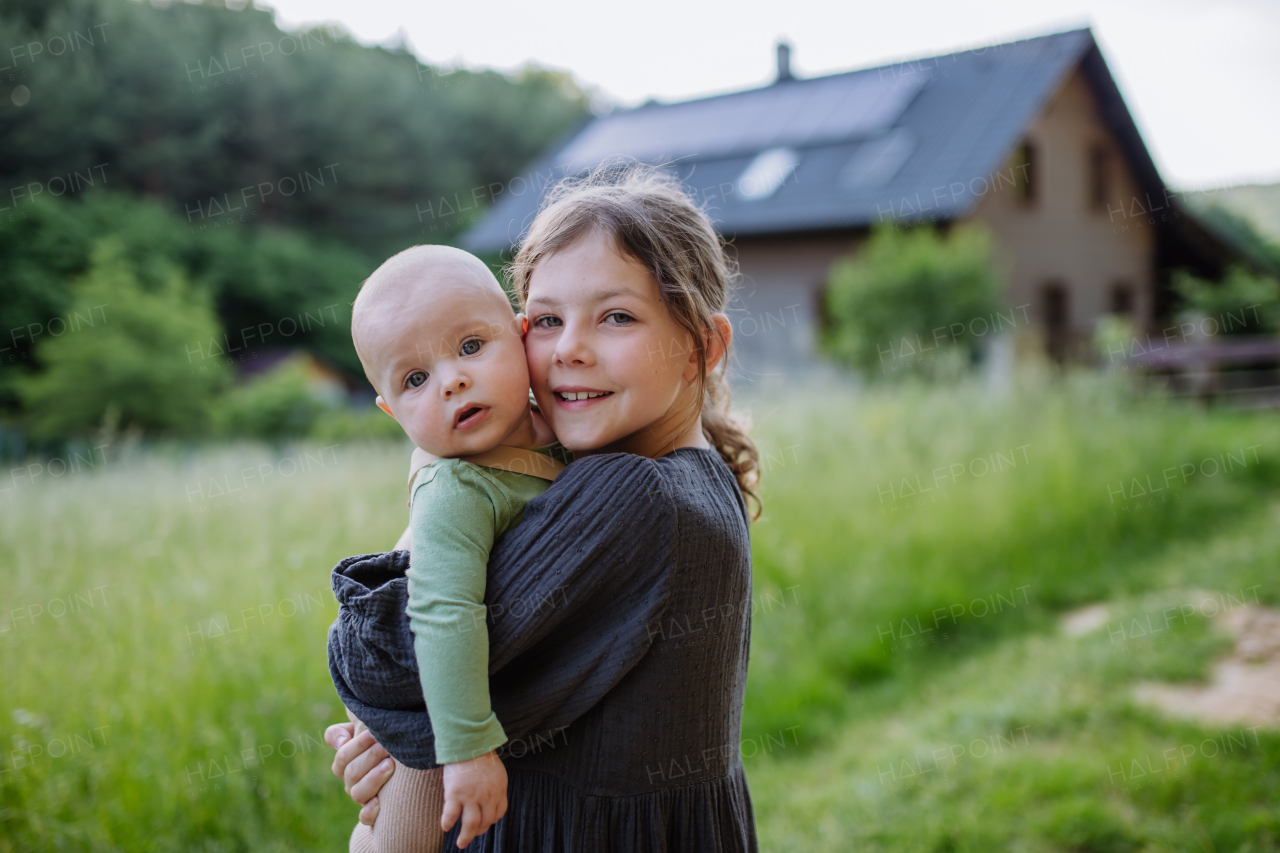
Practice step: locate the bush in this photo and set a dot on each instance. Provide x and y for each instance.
(287, 403)
(118, 356)
(903, 291)
(269, 286)
(282, 403)
(347, 424)
(1242, 304)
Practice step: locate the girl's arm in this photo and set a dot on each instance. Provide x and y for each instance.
(574, 594)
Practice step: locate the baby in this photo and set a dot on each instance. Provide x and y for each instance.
(443, 348)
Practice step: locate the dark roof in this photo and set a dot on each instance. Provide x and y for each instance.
(265, 360)
(900, 141)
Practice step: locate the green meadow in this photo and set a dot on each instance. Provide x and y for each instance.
(164, 614)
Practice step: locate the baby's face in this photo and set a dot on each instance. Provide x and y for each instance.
(450, 364)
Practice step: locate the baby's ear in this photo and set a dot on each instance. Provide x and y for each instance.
(382, 404)
(523, 321)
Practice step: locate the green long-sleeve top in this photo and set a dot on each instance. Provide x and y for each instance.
(457, 510)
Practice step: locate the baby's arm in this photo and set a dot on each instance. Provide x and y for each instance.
(475, 791)
(542, 437)
(453, 523)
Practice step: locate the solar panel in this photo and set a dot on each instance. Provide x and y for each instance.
(876, 161)
(797, 113)
(904, 137)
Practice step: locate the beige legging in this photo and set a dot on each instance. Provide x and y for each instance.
(409, 817)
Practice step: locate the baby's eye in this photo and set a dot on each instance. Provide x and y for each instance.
(471, 347)
(620, 317)
(416, 378)
(548, 321)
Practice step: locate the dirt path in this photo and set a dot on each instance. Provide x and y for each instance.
(1244, 686)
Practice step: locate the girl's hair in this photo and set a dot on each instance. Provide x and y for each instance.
(652, 220)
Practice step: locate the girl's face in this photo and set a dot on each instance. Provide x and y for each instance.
(610, 368)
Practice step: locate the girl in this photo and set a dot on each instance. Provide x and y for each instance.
(620, 607)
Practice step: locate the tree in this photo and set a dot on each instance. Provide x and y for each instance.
(1241, 304)
(908, 292)
(269, 286)
(272, 170)
(209, 108)
(120, 354)
(1241, 233)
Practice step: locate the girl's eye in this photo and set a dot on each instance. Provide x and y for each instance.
(620, 317)
(416, 378)
(548, 321)
(471, 347)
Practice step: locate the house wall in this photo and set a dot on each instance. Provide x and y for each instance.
(775, 312)
(1060, 237)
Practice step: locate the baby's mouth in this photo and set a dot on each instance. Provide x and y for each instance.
(467, 415)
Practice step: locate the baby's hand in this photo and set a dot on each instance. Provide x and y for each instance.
(476, 791)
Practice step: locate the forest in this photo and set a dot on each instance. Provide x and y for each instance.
(193, 173)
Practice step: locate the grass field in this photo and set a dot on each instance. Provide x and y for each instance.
(164, 613)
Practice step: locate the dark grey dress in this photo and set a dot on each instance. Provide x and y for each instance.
(619, 622)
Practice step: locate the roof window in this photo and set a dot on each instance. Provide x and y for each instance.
(768, 171)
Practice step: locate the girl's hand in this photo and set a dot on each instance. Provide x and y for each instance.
(362, 765)
(476, 791)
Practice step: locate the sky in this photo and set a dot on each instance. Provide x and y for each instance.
(1202, 79)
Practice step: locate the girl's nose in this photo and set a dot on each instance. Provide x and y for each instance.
(574, 348)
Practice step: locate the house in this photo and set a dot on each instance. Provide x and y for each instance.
(323, 379)
(1031, 138)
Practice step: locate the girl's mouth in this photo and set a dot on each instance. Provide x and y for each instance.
(470, 416)
(579, 398)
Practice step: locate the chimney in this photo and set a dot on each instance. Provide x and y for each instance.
(784, 62)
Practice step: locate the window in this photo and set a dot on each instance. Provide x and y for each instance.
(1055, 312)
(1122, 299)
(1099, 176)
(1025, 179)
(768, 171)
